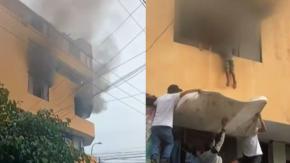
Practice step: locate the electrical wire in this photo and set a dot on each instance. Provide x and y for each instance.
(121, 24)
(102, 90)
(128, 12)
(139, 54)
(142, 2)
(133, 76)
(126, 97)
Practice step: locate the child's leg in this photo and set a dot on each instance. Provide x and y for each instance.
(232, 72)
(228, 78)
(227, 70)
(234, 80)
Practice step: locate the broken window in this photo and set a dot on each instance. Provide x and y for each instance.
(235, 24)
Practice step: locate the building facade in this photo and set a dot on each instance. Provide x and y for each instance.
(261, 70)
(44, 69)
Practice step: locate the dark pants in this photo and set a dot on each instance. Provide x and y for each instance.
(161, 136)
(254, 159)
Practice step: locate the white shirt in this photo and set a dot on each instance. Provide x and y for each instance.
(250, 146)
(165, 106)
(209, 156)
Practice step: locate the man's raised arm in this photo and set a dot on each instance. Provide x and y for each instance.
(263, 125)
(189, 91)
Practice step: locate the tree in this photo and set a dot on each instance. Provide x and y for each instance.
(27, 137)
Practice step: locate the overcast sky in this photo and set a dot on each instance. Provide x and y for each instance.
(119, 128)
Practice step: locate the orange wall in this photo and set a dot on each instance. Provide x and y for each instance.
(14, 38)
(170, 62)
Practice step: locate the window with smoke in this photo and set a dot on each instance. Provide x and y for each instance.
(84, 102)
(222, 23)
(41, 69)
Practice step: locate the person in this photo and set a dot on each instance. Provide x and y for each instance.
(150, 111)
(250, 148)
(161, 131)
(191, 156)
(227, 57)
(211, 155)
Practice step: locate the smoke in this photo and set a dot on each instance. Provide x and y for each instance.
(82, 19)
(212, 22)
(41, 63)
(78, 18)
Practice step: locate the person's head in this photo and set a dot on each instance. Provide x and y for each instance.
(173, 88)
(150, 99)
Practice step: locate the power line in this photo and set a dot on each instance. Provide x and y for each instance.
(119, 52)
(142, 2)
(122, 90)
(133, 76)
(101, 90)
(115, 98)
(126, 9)
(127, 97)
(160, 35)
(121, 79)
(127, 80)
(139, 54)
(119, 26)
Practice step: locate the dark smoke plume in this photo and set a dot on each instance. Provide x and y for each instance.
(212, 22)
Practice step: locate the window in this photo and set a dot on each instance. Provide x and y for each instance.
(76, 141)
(38, 88)
(41, 70)
(250, 45)
(196, 21)
(84, 103)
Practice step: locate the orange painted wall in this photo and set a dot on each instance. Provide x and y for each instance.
(170, 62)
(14, 38)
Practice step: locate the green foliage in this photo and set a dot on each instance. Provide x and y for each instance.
(33, 138)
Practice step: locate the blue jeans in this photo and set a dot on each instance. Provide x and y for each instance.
(161, 136)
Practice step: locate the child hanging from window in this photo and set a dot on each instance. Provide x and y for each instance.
(227, 57)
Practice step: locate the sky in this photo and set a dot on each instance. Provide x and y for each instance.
(119, 127)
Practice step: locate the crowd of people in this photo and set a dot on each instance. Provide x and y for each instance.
(162, 134)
